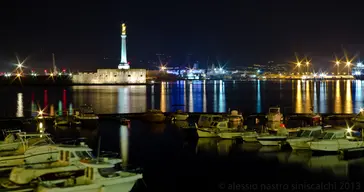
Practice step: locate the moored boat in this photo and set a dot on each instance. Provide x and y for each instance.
(306, 134)
(274, 114)
(235, 118)
(86, 116)
(154, 116)
(179, 115)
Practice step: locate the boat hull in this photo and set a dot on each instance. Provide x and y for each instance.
(299, 143)
(271, 140)
(9, 146)
(206, 133)
(109, 185)
(230, 135)
(154, 118)
(180, 117)
(334, 145)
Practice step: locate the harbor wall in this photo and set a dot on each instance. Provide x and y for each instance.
(111, 76)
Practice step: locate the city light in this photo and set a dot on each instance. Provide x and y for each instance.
(348, 63)
(298, 64)
(307, 63)
(360, 64)
(18, 74)
(337, 63)
(70, 74)
(20, 65)
(51, 74)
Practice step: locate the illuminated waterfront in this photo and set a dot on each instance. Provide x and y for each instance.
(331, 96)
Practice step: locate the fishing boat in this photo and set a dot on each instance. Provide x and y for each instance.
(179, 115)
(235, 117)
(98, 176)
(154, 116)
(86, 116)
(206, 120)
(274, 114)
(306, 134)
(335, 140)
(220, 129)
(274, 140)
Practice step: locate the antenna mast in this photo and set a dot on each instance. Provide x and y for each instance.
(54, 65)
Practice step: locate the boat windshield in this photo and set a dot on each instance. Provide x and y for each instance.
(84, 154)
(305, 133)
(274, 110)
(328, 136)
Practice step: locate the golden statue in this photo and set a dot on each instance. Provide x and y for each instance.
(123, 29)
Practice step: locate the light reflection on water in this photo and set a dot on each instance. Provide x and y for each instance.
(336, 96)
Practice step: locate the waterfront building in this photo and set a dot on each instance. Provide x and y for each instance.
(121, 75)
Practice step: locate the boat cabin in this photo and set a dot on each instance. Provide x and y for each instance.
(85, 112)
(303, 121)
(207, 120)
(34, 139)
(315, 132)
(274, 110)
(334, 134)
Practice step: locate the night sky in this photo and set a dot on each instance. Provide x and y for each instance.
(237, 32)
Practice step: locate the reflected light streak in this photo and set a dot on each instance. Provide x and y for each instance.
(337, 104)
(163, 97)
(204, 97)
(184, 95)
(64, 98)
(323, 99)
(315, 107)
(259, 102)
(20, 110)
(167, 96)
(308, 98)
(45, 100)
(222, 104)
(299, 97)
(123, 100)
(358, 96)
(152, 97)
(215, 97)
(348, 98)
(124, 144)
(190, 99)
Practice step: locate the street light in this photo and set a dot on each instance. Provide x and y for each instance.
(348, 65)
(338, 64)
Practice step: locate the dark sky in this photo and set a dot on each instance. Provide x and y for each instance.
(239, 32)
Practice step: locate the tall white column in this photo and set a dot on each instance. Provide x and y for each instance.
(123, 60)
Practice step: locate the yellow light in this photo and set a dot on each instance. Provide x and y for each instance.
(51, 74)
(18, 74)
(348, 63)
(40, 112)
(337, 62)
(40, 125)
(298, 64)
(361, 109)
(20, 65)
(307, 63)
(349, 129)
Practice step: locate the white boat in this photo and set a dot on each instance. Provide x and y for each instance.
(217, 128)
(234, 134)
(271, 140)
(179, 115)
(98, 176)
(359, 118)
(335, 140)
(274, 114)
(34, 148)
(306, 134)
(206, 120)
(251, 136)
(154, 116)
(66, 163)
(86, 116)
(11, 141)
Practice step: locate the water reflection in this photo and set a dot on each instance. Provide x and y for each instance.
(259, 102)
(299, 98)
(315, 104)
(323, 99)
(337, 103)
(163, 97)
(308, 103)
(19, 108)
(222, 104)
(124, 144)
(204, 97)
(348, 99)
(190, 98)
(358, 96)
(112, 99)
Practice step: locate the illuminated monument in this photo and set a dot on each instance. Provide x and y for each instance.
(122, 75)
(123, 61)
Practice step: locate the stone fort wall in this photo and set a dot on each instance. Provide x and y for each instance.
(111, 76)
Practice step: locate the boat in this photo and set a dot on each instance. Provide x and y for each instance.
(61, 121)
(86, 116)
(98, 176)
(220, 129)
(154, 116)
(274, 140)
(235, 118)
(306, 134)
(11, 141)
(179, 115)
(274, 114)
(338, 139)
(66, 164)
(34, 148)
(359, 118)
(206, 120)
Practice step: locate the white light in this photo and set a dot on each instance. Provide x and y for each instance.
(360, 64)
(70, 74)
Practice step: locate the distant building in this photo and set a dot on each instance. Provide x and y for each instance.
(122, 75)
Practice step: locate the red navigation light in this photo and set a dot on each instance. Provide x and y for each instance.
(128, 63)
(45, 70)
(64, 70)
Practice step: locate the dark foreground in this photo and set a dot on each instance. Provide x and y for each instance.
(174, 160)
